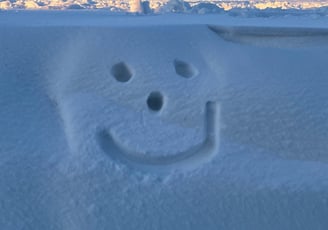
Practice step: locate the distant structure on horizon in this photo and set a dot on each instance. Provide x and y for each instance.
(146, 6)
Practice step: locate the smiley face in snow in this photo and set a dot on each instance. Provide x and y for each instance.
(142, 97)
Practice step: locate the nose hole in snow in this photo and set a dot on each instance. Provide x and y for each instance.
(155, 101)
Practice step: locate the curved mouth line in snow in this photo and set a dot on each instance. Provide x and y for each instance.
(188, 159)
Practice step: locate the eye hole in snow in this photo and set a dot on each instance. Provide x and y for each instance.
(155, 101)
(184, 69)
(121, 72)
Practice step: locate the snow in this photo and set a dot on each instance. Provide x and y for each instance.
(163, 122)
(162, 6)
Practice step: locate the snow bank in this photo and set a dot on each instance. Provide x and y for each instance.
(122, 122)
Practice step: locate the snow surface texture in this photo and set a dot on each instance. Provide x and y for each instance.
(119, 104)
(104, 126)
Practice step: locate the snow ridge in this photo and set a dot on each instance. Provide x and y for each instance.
(161, 6)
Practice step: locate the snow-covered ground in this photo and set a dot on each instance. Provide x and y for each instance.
(199, 6)
(163, 122)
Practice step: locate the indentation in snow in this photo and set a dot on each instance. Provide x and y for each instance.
(184, 69)
(121, 72)
(184, 160)
(155, 101)
(273, 37)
